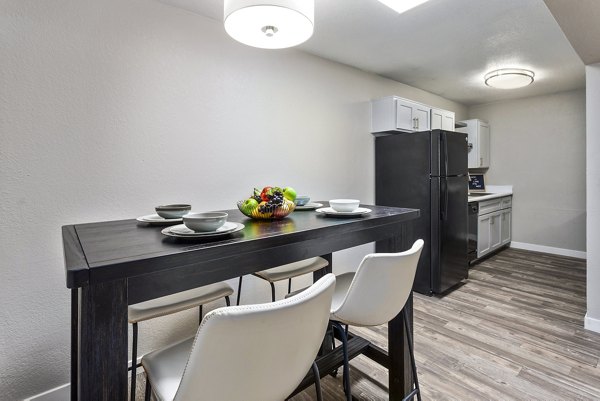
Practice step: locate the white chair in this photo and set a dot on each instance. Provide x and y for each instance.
(250, 352)
(374, 295)
(170, 304)
(286, 272)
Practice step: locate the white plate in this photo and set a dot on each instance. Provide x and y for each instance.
(156, 219)
(309, 206)
(181, 231)
(356, 212)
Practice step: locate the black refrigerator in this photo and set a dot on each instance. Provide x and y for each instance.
(428, 171)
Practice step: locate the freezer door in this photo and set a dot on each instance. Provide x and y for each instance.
(448, 153)
(449, 229)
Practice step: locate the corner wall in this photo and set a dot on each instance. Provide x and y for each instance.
(538, 146)
(592, 318)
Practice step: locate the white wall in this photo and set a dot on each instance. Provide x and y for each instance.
(592, 75)
(538, 146)
(109, 108)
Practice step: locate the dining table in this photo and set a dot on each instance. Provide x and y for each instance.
(112, 264)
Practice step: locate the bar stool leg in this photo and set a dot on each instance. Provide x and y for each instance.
(239, 290)
(148, 394)
(346, 375)
(317, 376)
(134, 360)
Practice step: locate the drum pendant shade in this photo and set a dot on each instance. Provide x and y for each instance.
(274, 24)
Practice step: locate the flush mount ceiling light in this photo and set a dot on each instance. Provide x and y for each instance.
(401, 6)
(509, 78)
(274, 24)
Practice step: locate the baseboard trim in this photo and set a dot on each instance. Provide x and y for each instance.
(549, 249)
(63, 392)
(59, 393)
(591, 324)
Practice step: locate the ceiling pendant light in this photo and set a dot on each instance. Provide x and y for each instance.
(509, 78)
(274, 24)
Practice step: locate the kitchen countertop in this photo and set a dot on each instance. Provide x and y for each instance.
(494, 191)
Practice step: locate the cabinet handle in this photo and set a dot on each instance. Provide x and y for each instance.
(491, 221)
(414, 123)
(417, 124)
(481, 162)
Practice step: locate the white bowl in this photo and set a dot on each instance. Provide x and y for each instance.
(208, 221)
(344, 205)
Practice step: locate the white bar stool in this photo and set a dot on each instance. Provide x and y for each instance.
(286, 272)
(170, 304)
(374, 295)
(249, 352)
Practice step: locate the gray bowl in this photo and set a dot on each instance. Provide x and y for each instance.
(302, 200)
(208, 221)
(173, 211)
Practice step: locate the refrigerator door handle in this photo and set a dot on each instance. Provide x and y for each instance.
(444, 199)
(445, 140)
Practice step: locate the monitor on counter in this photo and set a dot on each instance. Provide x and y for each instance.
(476, 183)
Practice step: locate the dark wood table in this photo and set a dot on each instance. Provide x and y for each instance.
(111, 265)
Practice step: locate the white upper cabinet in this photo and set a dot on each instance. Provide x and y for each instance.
(479, 142)
(442, 119)
(394, 113)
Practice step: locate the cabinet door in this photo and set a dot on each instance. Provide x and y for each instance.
(483, 140)
(448, 121)
(404, 116)
(421, 116)
(506, 226)
(437, 119)
(495, 230)
(483, 235)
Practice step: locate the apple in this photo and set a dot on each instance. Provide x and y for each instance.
(266, 194)
(289, 193)
(249, 205)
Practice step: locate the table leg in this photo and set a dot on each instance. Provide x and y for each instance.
(102, 351)
(400, 373)
(74, 340)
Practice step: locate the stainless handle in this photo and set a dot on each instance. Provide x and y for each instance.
(414, 123)
(481, 162)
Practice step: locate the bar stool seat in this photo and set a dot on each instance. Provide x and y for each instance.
(252, 352)
(291, 270)
(164, 368)
(178, 302)
(287, 272)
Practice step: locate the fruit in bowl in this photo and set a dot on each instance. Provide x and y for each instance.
(270, 203)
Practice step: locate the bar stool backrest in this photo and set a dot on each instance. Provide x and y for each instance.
(380, 287)
(257, 352)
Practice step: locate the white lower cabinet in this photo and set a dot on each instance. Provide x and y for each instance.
(506, 226)
(483, 235)
(494, 225)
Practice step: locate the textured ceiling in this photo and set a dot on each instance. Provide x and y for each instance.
(443, 46)
(581, 25)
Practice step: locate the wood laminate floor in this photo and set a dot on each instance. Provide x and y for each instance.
(513, 331)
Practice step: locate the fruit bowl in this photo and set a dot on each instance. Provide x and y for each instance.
(273, 213)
